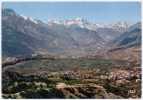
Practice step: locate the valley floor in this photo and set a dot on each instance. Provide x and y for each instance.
(72, 78)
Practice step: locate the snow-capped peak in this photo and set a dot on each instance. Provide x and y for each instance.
(83, 23)
(77, 21)
(29, 18)
(51, 22)
(121, 24)
(33, 20)
(25, 17)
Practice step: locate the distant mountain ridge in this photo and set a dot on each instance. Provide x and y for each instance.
(127, 46)
(19, 33)
(22, 35)
(132, 37)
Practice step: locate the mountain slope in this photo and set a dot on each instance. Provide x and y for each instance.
(128, 45)
(107, 32)
(132, 37)
(24, 36)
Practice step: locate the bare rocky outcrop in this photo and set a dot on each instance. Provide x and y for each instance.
(85, 91)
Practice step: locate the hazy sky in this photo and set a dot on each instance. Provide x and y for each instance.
(101, 12)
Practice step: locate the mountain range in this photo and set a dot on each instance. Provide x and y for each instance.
(23, 35)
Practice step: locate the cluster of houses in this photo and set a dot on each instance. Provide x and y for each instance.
(79, 74)
(124, 74)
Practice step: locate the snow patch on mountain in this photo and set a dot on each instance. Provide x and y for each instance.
(83, 23)
(29, 18)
